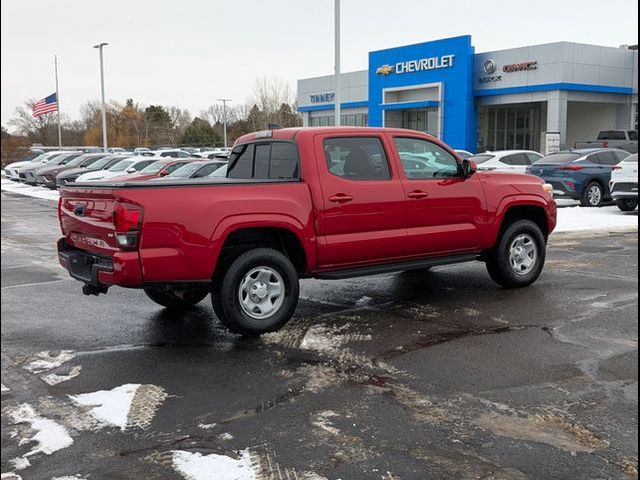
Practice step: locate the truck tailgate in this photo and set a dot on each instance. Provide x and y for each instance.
(86, 219)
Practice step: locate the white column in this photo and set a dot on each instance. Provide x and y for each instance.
(557, 115)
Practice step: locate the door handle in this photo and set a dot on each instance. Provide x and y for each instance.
(417, 194)
(340, 198)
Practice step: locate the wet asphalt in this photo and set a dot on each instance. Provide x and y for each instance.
(417, 375)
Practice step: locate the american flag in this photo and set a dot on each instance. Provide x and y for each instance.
(46, 105)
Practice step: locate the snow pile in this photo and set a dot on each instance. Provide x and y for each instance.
(195, 466)
(48, 360)
(24, 189)
(50, 436)
(575, 219)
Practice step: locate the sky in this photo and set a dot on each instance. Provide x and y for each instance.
(190, 53)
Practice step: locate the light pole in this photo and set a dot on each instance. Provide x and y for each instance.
(224, 117)
(104, 106)
(336, 11)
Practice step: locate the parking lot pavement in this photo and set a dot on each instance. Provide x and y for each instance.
(436, 374)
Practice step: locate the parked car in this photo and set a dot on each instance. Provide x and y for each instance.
(216, 153)
(71, 175)
(624, 183)
(141, 151)
(283, 214)
(12, 170)
(158, 169)
(197, 169)
(47, 175)
(513, 161)
(623, 139)
(174, 153)
(29, 173)
(128, 165)
(464, 153)
(582, 174)
(116, 150)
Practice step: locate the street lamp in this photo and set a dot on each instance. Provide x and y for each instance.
(224, 117)
(104, 107)
(336, 27)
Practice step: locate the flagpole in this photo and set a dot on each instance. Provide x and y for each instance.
(55, 60)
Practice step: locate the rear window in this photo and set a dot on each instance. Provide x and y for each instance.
(559, 158)
(611, 135)
(631, 158)
(272, 160)
(481, 158)
(185, 171)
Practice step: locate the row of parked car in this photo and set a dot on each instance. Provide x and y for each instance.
(592, 176)
(57, 168)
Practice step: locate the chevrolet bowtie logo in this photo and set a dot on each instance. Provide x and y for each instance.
(384, 70)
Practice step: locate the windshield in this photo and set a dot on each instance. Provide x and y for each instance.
(154, 167)
(57, 160)
(185, 171)
(559, 158)
(102, 162)
(73, 160)
(481, 158)
(120, 166)
(220, 173)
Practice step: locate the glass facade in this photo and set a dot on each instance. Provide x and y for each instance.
(347, 120)
(509, 128)
(421, 119)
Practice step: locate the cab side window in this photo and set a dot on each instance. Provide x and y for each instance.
(357, 158)
(242, 165)
(422, 159)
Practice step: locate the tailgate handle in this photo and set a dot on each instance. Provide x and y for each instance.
(79, 209)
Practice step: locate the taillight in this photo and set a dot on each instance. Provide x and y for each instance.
(617, 167)
(571, 167)
(127, 220)
(60, 215)
(605, 144)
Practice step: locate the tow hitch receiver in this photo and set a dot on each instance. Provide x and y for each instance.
(91, 290)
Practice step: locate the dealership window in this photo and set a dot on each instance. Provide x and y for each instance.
(509, 128)
(420, 119)
(346, 119)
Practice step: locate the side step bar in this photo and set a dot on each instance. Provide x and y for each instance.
(395, 267)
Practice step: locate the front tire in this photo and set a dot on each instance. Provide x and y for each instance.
(258, 292)
(593, 195)
(627, 204)
(518, 257)
(175, 298)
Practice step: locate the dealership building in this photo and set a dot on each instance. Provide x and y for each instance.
(521, 98)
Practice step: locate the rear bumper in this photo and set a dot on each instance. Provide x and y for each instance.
(564, 190)
(100, 271)
(622, 190)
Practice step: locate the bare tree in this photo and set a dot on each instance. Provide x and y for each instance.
(41, 129)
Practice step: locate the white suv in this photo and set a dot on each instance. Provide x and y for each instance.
(624, 183)
(512, 161)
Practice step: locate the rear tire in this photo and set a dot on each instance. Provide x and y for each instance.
(258, 292)
(627, 204)
(175, 298)
(593, 195)
(518, 257)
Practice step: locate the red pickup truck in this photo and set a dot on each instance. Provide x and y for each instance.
(306, 202)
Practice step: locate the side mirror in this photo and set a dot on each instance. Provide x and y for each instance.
(469, 167)
(130, 170)
(163, 174)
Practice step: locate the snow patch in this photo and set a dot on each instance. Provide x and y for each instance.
(77, 476)
(207, 426)
(322, 422)
(49, 360)
(3, 388)
(50, 436)
(20, 463)
(195, 466)
(364, 301)
(28, 190)
(573, 219)
(54, 378)
(10, 476)
(129, 405)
